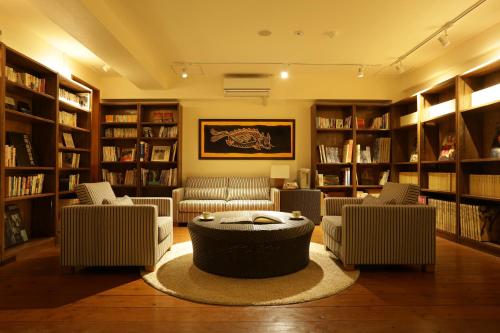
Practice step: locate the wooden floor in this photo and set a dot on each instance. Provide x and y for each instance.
(463, 295)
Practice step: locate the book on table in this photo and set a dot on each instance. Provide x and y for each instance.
(255, 218)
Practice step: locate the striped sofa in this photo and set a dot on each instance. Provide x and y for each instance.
(97, 234)
(219, 194)
(390, 230)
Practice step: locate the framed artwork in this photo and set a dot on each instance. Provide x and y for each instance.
(260, 139)
(160, 154)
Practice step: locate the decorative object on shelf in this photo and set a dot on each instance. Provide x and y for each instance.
(68, 140)
(448, 148)
(290, 186)
(304, 178)
(279, 173)
(160, 154)
(495, 146)
(414, 152)
(163, 117)
(247, 139)
(25, 155)
(127, 155)
(15, 232)
(10, 103)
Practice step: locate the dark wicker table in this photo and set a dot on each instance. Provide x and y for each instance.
(250, 250)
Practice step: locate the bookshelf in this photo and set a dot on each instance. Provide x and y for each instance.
(27, 110)
(335, 123)
(153, 133)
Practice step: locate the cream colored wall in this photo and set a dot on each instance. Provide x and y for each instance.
(284, 109)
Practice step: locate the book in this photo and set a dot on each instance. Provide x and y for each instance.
(68, 140)
(255, 218)
(24, 150)
(15, 232)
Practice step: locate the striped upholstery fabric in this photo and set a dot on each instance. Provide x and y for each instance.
(164, 204)
(109, 235)
(206, 182)
(332, 226)
(177, 197)
(94, 193)
(275, 198)
(249, 205)
(259, 193)
(334, 205)
(249, 182)
(403, 194)
(193, 206)
(202, 193)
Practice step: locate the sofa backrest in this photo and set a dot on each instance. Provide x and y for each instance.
(94, 193)
(248, 188)
(401, 194)
(205, 188)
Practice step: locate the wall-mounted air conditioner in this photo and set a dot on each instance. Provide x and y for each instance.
(247, 85)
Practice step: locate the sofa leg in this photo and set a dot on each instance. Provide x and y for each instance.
(349, 267)
(428, 268)
(149, 268)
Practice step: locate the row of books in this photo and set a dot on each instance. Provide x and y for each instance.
(478, 222)
(120, 118)
(24, 185)
(163, 116)
(80, 100)
(442, 181)
(446, 214)
(119, 177)
(69, 183)
(485, 185)
(322, 122)
(10, 156)
(26, 79)
(117, 154)
(332, 180)
(331, 154)
(382, 150)
(157, 153)
(408, 177)
(159, 177)
(363, 156)
(120, 132)
(24, 154)
(381, 122)
(163, 132)
(67, 118)
(68, 160)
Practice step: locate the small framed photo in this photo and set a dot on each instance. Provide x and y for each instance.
(160, 154)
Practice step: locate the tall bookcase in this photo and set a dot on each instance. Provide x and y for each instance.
(34, 114)
(154, 175)
(363, 176)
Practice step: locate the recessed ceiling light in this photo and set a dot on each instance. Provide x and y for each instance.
(106, 68)
(298, 33)
(264, 33)
(330, 33)
(361, 72)
(184, 74)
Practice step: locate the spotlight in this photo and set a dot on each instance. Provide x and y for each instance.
(284, 73)
(106, 68)
(443, 39)
(184, 74)
(399, 66)
(361, 72)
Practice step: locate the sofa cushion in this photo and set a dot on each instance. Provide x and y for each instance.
(248, 182)
(94, 193)
(164, 227)
(260, 193)
(403, 194)
(332, 226)
(123, 201)
(249, 205)
(198, 206)
(206, 182)
(205, 193)
(373, 201)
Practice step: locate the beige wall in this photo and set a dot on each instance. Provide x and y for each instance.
(194, 110)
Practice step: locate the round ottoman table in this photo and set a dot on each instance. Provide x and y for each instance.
(250, 250)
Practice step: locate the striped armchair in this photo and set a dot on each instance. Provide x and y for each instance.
(392, 230)
(97, 234)
(220, 194)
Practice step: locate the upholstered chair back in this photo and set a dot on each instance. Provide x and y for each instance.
(400, 194)
(94, 193)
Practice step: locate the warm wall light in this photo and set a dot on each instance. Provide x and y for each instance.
(284, 73)
(361, 72)
(106, 68)
(443, 39)
(184, 74)
(485, 96)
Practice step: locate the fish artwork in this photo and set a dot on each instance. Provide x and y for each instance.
(244, 138)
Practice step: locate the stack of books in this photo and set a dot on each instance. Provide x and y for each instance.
(442, 181)
(130, 178)
(167, 132)
(470, 222)
(24, 185)
(25, 79)
(328, 154)
(120, 132)
(110, 154)
(68, 160)
(408, 177)
(157, 177)
(363, 156)
(322, 122)
(80, 100)
(485, 185)
(445, 215)
(382, 150)
(69, 183)
(120, 118)
(10, 156)
(347, 151)
(381, 122)
(67, 118)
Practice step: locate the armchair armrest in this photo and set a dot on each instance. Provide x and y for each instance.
(275, 198)
(164, 204)
(109, 235)
(394, 234)
(177, 196)
(334, 205)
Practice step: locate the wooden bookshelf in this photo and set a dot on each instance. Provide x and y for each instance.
(336, 137)
(153, 115)
(37, 210)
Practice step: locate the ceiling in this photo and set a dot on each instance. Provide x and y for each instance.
(146, 41)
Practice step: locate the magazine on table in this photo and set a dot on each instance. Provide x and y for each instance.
(255, 218)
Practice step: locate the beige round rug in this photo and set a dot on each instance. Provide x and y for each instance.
(176, 275)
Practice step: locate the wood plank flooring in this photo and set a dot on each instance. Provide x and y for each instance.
(463, 295)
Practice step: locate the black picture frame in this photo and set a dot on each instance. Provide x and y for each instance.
(243, 139)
